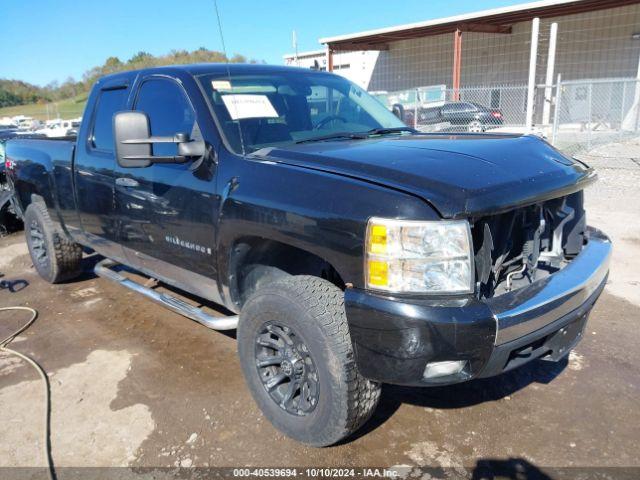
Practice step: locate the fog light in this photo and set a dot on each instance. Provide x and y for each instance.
(442, 369)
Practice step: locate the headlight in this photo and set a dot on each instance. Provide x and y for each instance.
(419, 257)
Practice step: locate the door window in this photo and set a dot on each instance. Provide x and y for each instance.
(169, 112)
(453, 108)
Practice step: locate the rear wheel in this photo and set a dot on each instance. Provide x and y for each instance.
(55, 257)
(297, 358)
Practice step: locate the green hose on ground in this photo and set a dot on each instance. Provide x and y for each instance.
(47, 391)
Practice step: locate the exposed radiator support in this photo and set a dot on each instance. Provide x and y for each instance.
(555, 255)
(104, 269)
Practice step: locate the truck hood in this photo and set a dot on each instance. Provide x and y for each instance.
(459, 175)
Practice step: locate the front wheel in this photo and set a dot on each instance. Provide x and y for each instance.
(297, 358)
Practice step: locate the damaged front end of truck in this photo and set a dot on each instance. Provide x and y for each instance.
(518, 247)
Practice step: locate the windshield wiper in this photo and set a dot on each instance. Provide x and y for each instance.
(384, 131)
(359, 135)
(332, 136)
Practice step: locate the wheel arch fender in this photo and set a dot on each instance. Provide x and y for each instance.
(318, 217)
(34, 177)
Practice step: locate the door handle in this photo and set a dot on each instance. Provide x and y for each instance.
(127, 182)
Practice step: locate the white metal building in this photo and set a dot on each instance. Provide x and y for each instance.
(356, 66)
(596, 39)
(568, 69)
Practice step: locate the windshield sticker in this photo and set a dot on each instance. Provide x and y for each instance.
(221, 85)
(249, 106)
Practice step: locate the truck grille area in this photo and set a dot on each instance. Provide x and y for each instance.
(515, 248)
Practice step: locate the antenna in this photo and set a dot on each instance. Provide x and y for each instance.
(294, 39)
(224, 47)
(226, 57)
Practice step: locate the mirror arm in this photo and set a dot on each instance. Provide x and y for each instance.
(144, 141)
(151, 158)
(186, 147)
(192, 148)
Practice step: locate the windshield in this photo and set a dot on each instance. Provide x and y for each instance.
(257, 111)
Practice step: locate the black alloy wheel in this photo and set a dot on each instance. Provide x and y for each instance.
(38, 244)
(286, 369)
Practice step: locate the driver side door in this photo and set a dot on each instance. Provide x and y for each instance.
(168, 210)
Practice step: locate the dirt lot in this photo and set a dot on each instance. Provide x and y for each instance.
(136, 385)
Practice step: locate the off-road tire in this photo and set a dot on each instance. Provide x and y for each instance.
(314, 309)
(63, 259)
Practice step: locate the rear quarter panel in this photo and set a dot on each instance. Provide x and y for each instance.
(43, 170)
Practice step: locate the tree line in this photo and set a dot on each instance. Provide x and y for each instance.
(17, 92)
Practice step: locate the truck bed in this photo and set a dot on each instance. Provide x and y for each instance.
(43, 160)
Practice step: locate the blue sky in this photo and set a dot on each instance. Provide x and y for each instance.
(45, 40)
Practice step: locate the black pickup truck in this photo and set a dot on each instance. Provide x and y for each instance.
(354, 250)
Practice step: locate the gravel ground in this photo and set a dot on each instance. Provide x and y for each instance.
(613, 205)
(136, 385)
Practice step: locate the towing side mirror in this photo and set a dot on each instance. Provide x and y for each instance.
(132, 136)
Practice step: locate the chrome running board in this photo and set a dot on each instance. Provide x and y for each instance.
(104, 269)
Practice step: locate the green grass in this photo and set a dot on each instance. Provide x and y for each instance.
(69, 108)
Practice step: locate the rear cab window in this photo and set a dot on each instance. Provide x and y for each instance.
(109, 102)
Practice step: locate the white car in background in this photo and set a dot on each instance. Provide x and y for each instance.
(60, 128)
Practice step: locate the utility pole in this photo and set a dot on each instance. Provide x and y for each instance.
(457, 64)
(329, 57)
(556, 112)
(636, 99)
(551, 62)
(533, 57)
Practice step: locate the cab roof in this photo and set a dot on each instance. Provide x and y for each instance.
(208, 68)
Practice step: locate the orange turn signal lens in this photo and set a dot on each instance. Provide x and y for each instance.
(378, 273)
(378, 239)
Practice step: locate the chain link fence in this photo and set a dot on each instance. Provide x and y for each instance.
(596, 112)
(470, 109)
(596, 53)
(574, 115)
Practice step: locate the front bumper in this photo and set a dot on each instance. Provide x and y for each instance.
(396, 337)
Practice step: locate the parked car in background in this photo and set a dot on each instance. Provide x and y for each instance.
(25, 123)
(453, 117)
(60, 128)
(73, 131)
